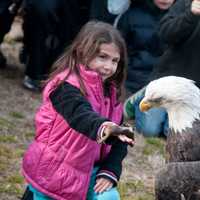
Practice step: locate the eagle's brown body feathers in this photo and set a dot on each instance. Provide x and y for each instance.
(180, 178)
(184, 146)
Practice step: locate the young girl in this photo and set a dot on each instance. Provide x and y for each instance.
(81, 103)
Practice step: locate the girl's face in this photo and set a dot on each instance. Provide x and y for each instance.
(163, 4)
(106, 61)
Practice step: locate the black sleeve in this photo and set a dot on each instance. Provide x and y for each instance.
(76, 110)
(178, 24)
(113, 162)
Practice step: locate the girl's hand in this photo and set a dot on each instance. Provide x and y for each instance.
(195, 7)
(126, 139)
(102, 185)
(125, 134)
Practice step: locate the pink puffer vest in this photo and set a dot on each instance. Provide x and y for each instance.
(59, 161)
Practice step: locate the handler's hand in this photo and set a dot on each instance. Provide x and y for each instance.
(195, 7)
(102, 185)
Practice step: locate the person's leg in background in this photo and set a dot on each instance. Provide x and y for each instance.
(53, 22)
(6, 19)
(39, 20)
(151, 123)
(34, 37)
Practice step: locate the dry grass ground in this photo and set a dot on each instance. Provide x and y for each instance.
(17, 108)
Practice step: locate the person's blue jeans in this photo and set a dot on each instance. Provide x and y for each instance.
(111, 194)
(152, 123)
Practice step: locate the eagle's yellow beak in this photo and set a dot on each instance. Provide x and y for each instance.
(145, 105)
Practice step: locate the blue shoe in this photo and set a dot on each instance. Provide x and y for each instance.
(31, 84)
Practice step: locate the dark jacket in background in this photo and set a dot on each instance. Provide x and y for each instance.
(181, 30)
(100, 12)
(139, 28)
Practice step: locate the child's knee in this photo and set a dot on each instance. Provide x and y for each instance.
(111, 194)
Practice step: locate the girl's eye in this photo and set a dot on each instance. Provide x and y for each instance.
(115, 61)
(102, 56)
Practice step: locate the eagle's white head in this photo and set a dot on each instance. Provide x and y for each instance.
(179, 96)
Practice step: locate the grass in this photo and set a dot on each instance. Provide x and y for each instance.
(12, 148)
(11, 181)
(12, 185)
(29, 135)
(5, 124)
(6, 152)
(8, 138)
(153, 146)
(16, 115)
(134, 190)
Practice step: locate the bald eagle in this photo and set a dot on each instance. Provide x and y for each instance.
(179, 179)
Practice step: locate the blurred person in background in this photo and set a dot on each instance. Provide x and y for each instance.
(108, 11)
(49, 26)
(139, 26)
(8, 11)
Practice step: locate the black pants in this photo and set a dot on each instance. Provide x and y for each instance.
(49, 26)
(28, 195)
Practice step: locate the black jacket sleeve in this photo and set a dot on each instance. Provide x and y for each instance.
(76, 110)
(179, 23)
(113, 162)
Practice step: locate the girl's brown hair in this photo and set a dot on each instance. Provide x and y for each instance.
(86, 46)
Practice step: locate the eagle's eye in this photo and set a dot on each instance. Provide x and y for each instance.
(157, 100)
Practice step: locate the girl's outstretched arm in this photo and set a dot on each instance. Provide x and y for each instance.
(69, 102)
(77, 111)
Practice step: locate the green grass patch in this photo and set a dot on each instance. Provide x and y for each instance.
(12, 184)
(17, 115)
(4, 164)
(6, 152)
(154, 145)
(9, 188)
(8, 138)
(133, 186)
(19, 152)
(30, 135)
(143, 197)
(15, 179)
(134, 190)
(4, 123)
